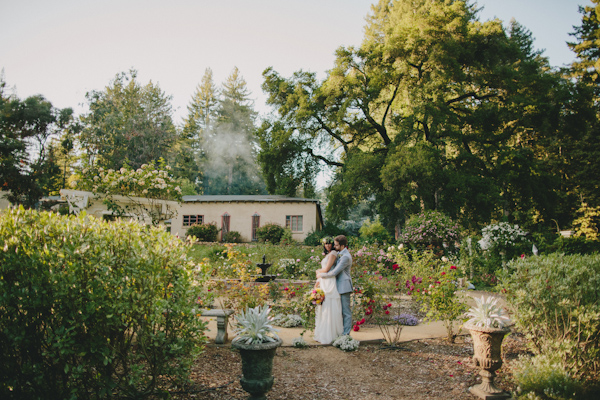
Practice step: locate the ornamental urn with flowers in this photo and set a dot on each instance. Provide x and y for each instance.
(257, 343)
(488, 325)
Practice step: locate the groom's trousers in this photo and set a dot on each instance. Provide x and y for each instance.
(346, 312)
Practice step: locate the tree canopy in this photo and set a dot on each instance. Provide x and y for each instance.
(435, 110)
(127, 124)
(28, 168)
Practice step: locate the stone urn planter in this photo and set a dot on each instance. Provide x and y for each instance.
(257, 343)
(257, 367)
(487, 346)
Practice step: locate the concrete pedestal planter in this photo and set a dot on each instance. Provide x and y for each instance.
(487, 346)
(257, 367)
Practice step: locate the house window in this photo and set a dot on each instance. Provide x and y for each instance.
(255, 226)
(294, 222)
(225, 219)
(189, 220)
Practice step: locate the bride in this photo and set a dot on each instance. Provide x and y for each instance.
(328, 316)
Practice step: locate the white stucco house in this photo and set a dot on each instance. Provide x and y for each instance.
(242, 213)
(246, 213)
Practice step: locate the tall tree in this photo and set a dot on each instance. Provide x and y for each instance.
(435, 110)
(27, 166)
(127, 124)
(580, 143)
(229, 145)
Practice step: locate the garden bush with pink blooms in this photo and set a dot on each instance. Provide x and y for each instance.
(430, 229)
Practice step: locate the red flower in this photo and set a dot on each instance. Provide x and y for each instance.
(286, 289)
(362, 321)
(356, 328)
(522, 256)
(453, 267)
(387, 311)
(443, 272)
(389, 305)
(395, 267)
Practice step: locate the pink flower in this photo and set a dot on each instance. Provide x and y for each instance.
(522, 256)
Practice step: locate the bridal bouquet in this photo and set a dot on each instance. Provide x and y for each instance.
(316, 296)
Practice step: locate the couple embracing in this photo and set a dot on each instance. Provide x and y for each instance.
(334, 316)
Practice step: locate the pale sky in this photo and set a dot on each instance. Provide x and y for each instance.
(65, 48)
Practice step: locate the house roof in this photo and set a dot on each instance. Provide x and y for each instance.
(245, 198)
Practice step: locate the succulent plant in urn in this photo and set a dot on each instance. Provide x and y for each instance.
(257, 342)
(488, 325)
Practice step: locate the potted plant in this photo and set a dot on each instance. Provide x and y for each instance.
(488, 325)
(257, 342)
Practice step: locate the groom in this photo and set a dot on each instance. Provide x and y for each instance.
(341, 272)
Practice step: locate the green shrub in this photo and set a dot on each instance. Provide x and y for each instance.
(542, 377)
(374, 232)
(204, 232)
(556, 304)
(430, 229)
(575, 245)
(233, 237)
(93, 309)
(314, 237)
(271, 233)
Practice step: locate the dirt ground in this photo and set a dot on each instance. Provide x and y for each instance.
(423, 369)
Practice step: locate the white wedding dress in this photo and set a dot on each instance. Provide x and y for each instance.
(328, 316)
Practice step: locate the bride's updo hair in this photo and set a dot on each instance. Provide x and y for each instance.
(327, 240)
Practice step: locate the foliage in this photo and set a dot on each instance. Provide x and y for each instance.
(414, 262)
(271, 233)
(542, 377)
(429, 228)
(504, 240)
(374, 232)
(488, 313)
(128, 123)
(288, 320)
(346, 343)
(375, 295)
(253, 326)
(144, 189)
(240, 293)
(439, 297)
(406, 119)
(314, 238)
(28, 151)
(204, 232)
(574, 245)
(299, 343)
(370, 258)
(233, 237)
(101, 309)
(588, 222)
(556, 304)
(406, 319)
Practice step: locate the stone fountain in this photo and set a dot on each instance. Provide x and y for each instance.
(263, 268)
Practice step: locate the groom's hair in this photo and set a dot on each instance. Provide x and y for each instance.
(342, 241)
